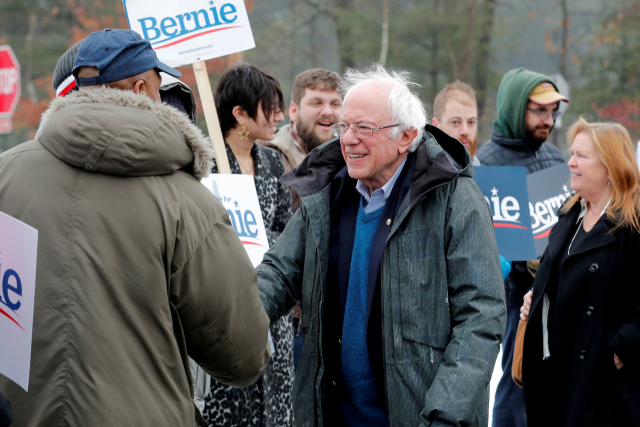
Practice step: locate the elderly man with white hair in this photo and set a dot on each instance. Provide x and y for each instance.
(393, 256)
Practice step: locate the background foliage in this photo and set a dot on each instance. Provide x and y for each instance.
(594, 44)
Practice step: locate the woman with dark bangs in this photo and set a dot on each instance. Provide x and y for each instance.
(250, 104)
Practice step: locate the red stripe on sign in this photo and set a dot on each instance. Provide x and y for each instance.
(11, 318)
(244, 242)
(196, 35)
(500, 224)
(543, 235)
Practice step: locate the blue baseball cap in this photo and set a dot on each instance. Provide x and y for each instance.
(117, 54)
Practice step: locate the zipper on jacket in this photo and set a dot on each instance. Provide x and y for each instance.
(321, 355)
(384, 352)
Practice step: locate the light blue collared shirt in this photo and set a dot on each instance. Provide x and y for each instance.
(379, 197)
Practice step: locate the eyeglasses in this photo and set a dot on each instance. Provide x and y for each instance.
(360, 131)
(543, 114)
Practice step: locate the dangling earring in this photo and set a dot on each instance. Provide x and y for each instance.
(609, 183)
(244, 134)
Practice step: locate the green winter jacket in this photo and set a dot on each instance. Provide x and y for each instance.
(138, 267)
(443, 309)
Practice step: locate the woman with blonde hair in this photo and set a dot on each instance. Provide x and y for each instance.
(581, 362)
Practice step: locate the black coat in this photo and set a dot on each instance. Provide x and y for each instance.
(598, 289)
(5, 412)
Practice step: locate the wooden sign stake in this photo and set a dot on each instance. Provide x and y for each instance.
(211, 116)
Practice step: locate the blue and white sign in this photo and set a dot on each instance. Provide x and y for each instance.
(548, 189)
(505, 189)
(18, 254)
(184, 32)
(238, 195)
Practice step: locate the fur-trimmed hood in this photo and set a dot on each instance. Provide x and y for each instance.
(120, 133)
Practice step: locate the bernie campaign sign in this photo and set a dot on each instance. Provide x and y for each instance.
(548, 189)
(18, 254)
(238, 195)
(184, 32)
(505, 189)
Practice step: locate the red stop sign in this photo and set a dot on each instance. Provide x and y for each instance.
(9, 81)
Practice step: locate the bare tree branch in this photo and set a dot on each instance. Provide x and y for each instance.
(482, 61)
(468, 41)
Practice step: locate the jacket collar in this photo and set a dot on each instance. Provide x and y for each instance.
(182, 92)
(566, 227)
(584, 208)
(121, 133)
(439, 160)
(287, 139)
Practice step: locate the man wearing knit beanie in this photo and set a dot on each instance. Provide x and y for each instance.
(172, 90)
(63, 80)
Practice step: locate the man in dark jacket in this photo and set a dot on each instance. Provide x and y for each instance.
(5, 412)
(528, 105)
(393, 255)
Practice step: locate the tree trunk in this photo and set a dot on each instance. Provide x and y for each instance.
(313, 55)
(345, 37)
(33, 25)
(484, 45)
(435, 48)
(468, 40)
(385, 32)
(564, 45)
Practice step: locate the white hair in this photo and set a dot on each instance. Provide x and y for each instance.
(404, 104)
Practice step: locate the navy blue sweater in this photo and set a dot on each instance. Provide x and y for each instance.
(362, 404)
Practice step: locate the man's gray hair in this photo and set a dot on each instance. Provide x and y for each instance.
(404, 104)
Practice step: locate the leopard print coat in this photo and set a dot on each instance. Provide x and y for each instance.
(267, 402)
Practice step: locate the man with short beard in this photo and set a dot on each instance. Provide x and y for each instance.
(315, 106)
(528, 105)
(455, 111)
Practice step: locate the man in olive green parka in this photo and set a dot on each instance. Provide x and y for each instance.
(138, 265)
